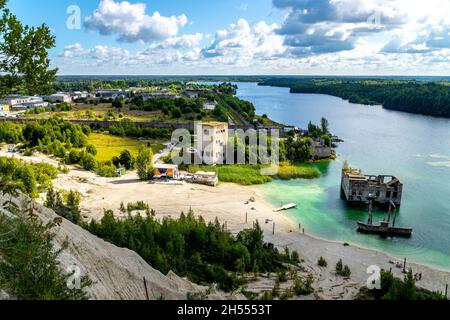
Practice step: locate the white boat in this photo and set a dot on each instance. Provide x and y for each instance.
(286, 207)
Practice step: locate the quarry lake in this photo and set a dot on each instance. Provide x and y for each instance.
(415, 148)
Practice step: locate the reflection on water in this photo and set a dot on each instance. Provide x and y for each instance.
(413, 147)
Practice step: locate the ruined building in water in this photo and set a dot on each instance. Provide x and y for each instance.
(357, 187)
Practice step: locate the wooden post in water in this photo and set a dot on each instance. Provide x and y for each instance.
(146, 290)
(395, 216)
(370, 219)
(446, 290)
(273, 232)
(404, 266)
(390, 209)
(246, 217)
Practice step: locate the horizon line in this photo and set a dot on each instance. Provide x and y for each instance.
(247, 75)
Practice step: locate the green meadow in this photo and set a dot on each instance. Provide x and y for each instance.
(109, 146)
(251, 174)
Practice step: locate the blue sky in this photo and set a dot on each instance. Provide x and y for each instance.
(247, 36)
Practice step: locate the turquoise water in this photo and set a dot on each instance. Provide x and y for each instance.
(414, 147)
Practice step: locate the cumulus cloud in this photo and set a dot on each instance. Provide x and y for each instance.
(105, 53)
(73, 50)
(98, 54)
(428, 29)
(187, 41)
(333, 26)
(131, 22)
(321, 26)
(242, 43)
(315, 36)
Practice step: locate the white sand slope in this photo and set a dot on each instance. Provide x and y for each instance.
(118, 274)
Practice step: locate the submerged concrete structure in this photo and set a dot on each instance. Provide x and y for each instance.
(358, 187)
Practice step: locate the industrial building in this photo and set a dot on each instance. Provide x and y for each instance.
(214, 138)
(60, 97)
(18, 102)
(383, 189)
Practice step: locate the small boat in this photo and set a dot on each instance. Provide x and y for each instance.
(286, 207)
(384, 228)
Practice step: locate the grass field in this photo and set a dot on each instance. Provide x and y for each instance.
(251, 174)
(109, 146)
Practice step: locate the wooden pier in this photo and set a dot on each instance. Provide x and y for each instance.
(286, 207)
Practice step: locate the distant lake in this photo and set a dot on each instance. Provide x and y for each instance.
(415, 148)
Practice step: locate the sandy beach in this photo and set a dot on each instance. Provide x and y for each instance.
(227, 202)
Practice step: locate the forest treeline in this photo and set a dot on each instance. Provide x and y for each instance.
(189, 246)
(420, 97)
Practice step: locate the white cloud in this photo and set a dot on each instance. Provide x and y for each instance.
(76, 53)
(105, 53)
(131, 23)
(187, 41)
(316, 36)
(73, 50)
(243, 44)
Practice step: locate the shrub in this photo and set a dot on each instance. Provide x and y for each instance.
(397, 289)
(88, 161)
(346, 272)
(342, 270)
(28, 152)
(91, 149)
(107, 171)
(322, 262)
(295, 257)
(282, 276)
(73, 157)
(65, 205)
(339, 266)
(303, 287)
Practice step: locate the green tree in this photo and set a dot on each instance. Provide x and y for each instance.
(117, 104)
(28, 178)
(127, 160)
(144, 163)
(322, 262)
(91, 149)
(73, 206)
(327, 139)
(29, 267)
(53, 199)
(176, 113)
(88, 162)
(24, 62)
(324, 125)
(339, 266)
